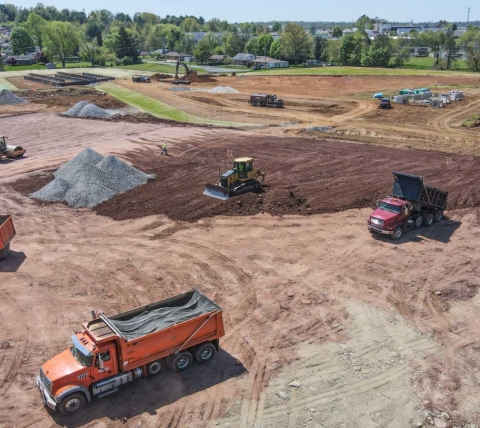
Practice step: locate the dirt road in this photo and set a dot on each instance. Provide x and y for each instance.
(370, 332)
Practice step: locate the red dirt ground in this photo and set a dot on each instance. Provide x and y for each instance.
(304, 176)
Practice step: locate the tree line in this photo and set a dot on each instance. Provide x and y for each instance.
(102, 37)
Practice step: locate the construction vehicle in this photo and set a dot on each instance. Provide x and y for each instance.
(7, 233)
(111, 351)
(10, 151)
(385, 103)
(411, 205)
(240, 179)
(264, 100)
(187, 70)
(141, 78)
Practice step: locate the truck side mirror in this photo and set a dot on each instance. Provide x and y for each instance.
(377, 202)
(100, 363)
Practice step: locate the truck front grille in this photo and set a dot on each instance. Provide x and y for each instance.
(46, 382)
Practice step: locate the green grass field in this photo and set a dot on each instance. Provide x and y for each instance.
(42, 67)
(158, 108)
(358, 71)
(157, 68)
(427, 64)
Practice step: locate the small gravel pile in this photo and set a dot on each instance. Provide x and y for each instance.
(320, 128)
(223, 90)
(89, 179)
(9, 98)
(178, 89)
(86, 109)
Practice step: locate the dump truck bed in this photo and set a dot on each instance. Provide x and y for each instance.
(7, 231)
(412, 188)
(160, 328)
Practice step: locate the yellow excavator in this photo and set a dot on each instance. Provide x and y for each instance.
(240, 179)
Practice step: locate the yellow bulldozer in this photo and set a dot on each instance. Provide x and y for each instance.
(240, 179)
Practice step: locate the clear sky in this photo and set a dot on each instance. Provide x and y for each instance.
(282, 10)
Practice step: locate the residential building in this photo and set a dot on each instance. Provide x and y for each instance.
(242, 59)
(270, 62)
(219, 59)
(178, 56)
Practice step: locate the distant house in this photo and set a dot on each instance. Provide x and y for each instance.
(275, 35)
(219, 59)
(270, 62)
(178, 56)
(159, 52)
(24, 59)
(242, 59)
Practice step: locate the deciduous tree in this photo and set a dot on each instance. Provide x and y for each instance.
(319, 51)
(35, 25)
(337, 31)
(60, 39)
(296, 42)
(21, 41)
(470, 43)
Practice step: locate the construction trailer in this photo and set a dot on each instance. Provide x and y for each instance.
(436, 102)
(400, 99)
(456, 95)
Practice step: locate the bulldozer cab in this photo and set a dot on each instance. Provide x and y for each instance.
(243, 166)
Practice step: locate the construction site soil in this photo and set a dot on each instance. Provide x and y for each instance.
(304, 176)
(326, 325)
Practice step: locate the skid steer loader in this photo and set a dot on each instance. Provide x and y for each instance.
(240, 179)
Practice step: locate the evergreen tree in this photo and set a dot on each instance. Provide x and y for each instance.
(125, 45)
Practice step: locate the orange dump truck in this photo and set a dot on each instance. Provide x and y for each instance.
(7, 233)
(111, 351)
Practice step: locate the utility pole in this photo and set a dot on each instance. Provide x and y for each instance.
(265, 57)
(468, 16)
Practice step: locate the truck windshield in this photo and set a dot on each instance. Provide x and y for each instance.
(389, 207)
(81, 358)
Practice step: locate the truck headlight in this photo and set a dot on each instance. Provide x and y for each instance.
(377, 221)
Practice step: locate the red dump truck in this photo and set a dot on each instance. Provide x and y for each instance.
(111, 351)
(411, 205)
(7, 233)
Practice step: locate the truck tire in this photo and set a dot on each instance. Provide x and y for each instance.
(397, 234)
(418, 222)
(256, 185)
(181, 362)
(437, 216)
(5, 252)
(274, 105)
(204, 352)
(71, 404)
(253, 103)
(428, 219)
(258, 104)
(155, 368)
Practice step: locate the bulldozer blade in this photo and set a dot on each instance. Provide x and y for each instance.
(216, 191)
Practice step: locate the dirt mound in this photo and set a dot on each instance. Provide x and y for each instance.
(200, 78)
(159, 76)
(89, 179)
(304, 176)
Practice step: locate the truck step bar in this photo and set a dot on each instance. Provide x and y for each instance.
(104, 394)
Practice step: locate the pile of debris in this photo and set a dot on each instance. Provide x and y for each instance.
(86, 109)
(89, 179)
(178, 89)
(320, 128)
(201, 78)
(9, 98)
(223, 90)
(159, 76)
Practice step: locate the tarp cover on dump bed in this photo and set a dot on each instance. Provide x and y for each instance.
(154, 320)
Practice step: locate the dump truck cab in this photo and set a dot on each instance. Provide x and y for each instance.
(240, 178)
(411, 205)
(265, 100)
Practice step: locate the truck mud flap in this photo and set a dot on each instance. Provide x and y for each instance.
(217, 192)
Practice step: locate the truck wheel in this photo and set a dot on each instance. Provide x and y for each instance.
(253, 103)
(397, 233)
(258, 104)
(204, 352)
(274, 106)
(418, 221)
(72, 404)
(256, 185)
(438, 216)
(428, 220)
(181, 361)
(155, 368)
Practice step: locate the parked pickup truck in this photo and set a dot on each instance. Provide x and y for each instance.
(7, 233)
(111, 351)
(411, 204)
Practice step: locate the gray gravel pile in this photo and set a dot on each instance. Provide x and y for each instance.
(320, 128)
(178, 89)
(223, 90)
(9, 98)
(89, 179)
(86, 109)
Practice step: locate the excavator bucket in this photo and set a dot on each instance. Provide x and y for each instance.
(216, 191)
